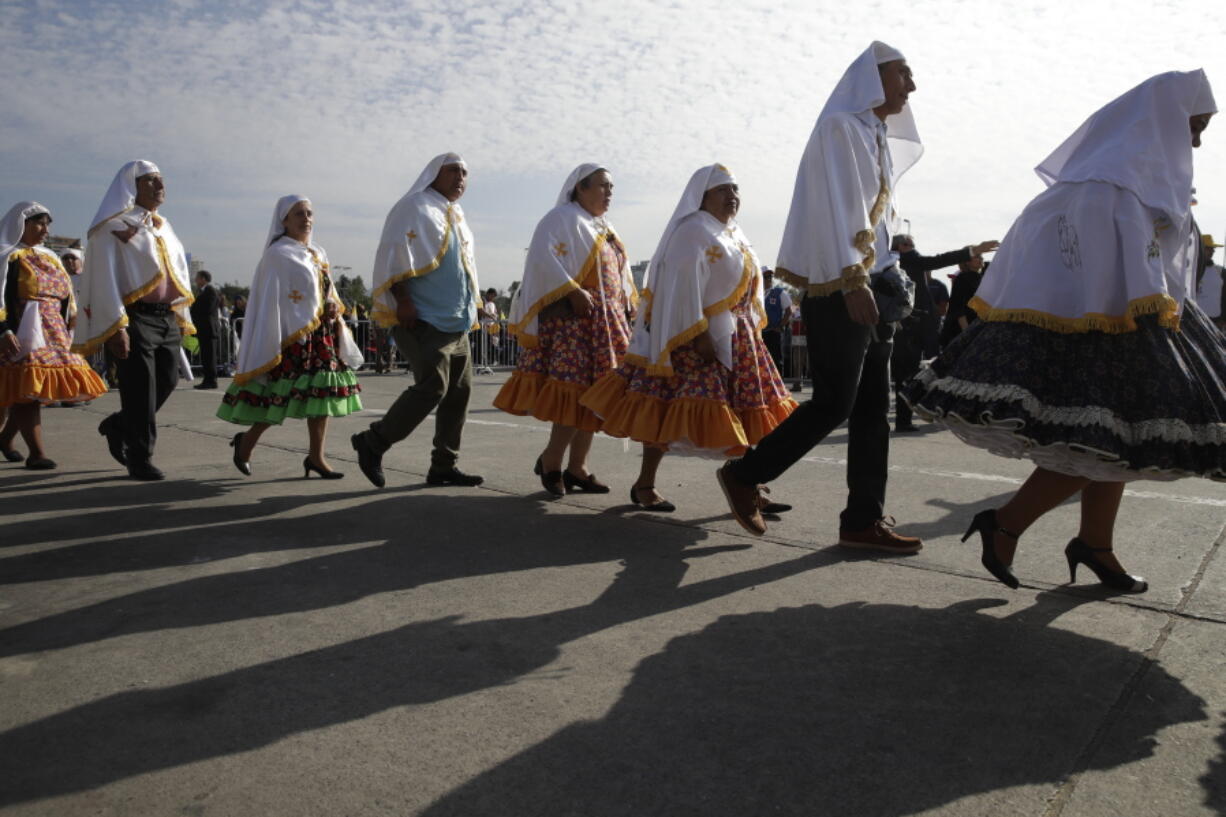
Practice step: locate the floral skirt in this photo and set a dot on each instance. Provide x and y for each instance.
(571, 354)
(704, 408)
(309, 381)
(1146, 404)
(52, 373)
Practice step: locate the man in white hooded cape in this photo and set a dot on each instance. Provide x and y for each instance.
(836, 239)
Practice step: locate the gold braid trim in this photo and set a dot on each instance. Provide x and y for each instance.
(90, 346)
(164, 263)
(738, 292)
(626, 274)
(1160, 304)
(590, 265)
(792, 278)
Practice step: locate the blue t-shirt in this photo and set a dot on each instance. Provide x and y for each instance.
(444, 297)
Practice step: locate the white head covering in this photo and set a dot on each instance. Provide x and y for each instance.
(860, 90)
(1140, 142)
(121, 195)
(75, 253)
(14, 226)
(279, 212)
(704, 179)
(577, 175)
(436, 164)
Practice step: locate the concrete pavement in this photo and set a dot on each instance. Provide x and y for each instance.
(268, 645)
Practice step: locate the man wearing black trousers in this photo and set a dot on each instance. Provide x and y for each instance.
(919, 335)
(864, 140)
(208, 327)
(137, 294)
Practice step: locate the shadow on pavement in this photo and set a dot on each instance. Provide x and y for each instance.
(135, 732)
(460, 544)
(872, 710)
(1214, 780)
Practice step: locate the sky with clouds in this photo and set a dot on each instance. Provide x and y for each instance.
(344, 101)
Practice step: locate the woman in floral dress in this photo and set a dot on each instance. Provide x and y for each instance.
(571, 315)
(297, 354)
(698, 378)
(36, 320)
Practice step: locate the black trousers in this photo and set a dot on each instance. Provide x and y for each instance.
(773, 338)
(146, 379)
(851, 383)
(208, 357)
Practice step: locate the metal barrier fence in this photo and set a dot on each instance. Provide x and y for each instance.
(494, 347)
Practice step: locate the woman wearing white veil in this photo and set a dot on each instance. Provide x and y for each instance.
(37, 314)
(698, 377)
(1091, 357)
(571, 316)
(297, 354)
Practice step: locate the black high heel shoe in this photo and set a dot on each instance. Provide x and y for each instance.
(1078, 552)
(985, 523)
(551, 481)
(244, 467)
(308, 467)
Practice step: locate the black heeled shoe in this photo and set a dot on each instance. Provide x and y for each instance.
(588, 484)
(243, 467)
(551, 481)
(1078, 552)
(308, 467)
(985, 523)
(663, 506)
(11, 455)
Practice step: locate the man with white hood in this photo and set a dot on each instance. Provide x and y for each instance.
(137, 291)
(425, 291)
(835, 244)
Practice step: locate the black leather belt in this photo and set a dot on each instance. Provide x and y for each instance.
(149, 308)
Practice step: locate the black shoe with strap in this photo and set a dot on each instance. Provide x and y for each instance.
(452, 476)
(1078, 552)
(663, 506)
(985, 523)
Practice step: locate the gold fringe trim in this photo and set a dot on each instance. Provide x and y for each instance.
(827, 288)
(243, 378)
(90, 346)
(167, 270)
(738, 292)
(664, 366)
(417, 273)
(1160, 304)
(591, 264)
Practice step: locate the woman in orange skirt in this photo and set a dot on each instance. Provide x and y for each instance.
(36, 320)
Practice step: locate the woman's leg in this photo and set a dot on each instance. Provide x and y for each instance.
(1042, 491)
(317, 430)
(560, 437)
(251, 436)
(29, 420)
(580, 445)
(8, 430)
(645, 486)
(1100, 504)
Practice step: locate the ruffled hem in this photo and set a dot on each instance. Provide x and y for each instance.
(325, 394)
(684, 425)
(48, 384)
(760, 421)
(547, 399)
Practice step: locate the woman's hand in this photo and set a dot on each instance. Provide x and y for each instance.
(705, 347)
(581, 302)
(9, 344)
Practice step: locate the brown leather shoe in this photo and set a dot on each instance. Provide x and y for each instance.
(742, 500)
(880, 536)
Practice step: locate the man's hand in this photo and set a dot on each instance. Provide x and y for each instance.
(119, 345)
(9, 344)
(705, 347)
(861, 306)
(984, 246)
(126, 235)
(406, 312)
(581, 302)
